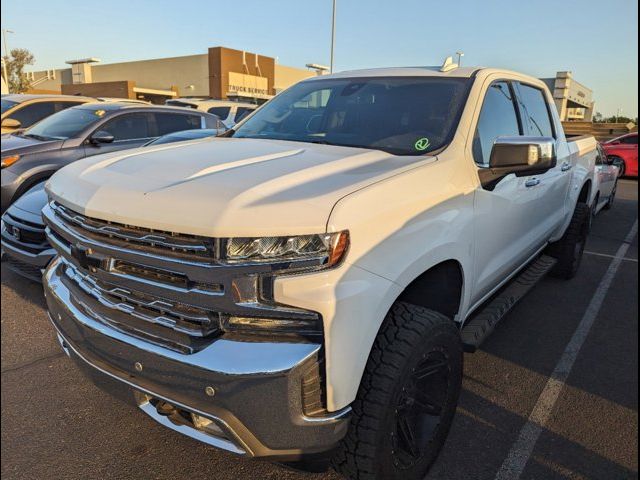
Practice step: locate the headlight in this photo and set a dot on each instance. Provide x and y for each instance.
(9, 160)
(327, 248)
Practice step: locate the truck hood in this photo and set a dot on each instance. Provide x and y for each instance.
(223, 187)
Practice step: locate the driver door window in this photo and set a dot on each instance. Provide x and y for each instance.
(498, 118)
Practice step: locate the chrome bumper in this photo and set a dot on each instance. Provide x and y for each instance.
(251, 391)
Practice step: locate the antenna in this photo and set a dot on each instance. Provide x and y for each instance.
(448, 65)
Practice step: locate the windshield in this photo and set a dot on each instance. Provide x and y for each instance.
(7, 104)
(64, 124)
(399, 115)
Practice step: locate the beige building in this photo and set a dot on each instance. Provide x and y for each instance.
(220, 73)
(573, 100)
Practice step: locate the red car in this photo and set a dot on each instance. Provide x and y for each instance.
(623, 151)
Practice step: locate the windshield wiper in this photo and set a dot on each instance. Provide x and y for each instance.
(37, 137)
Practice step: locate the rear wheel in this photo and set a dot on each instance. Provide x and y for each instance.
(569, 249)
(407, 398)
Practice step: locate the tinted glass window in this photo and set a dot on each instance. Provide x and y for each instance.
(129, 126)
(221, 112)
(630, 140)
(601, 156)
(175, 122)
(242, 112)
(399, 115)
(7, 104)
(498, 118)
(534, 112)
(214, 123)
(34, 112)
(66, 124)
(59, 106)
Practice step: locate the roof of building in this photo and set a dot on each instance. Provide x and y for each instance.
(24, 97)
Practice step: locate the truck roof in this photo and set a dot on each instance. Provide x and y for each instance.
(426, 71)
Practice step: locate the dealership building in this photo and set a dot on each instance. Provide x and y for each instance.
(221, 73)
(573, 100)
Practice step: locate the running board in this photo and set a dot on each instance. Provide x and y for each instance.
(482, 324)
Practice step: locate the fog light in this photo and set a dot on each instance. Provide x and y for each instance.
(206, 425)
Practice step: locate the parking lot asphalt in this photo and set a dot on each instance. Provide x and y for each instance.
(57, 425)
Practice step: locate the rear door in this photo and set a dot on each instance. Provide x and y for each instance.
(553, 187)
(505, 216)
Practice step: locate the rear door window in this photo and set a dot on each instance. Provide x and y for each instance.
(534, 110)
(242, 112)
(498, 118)
(630, 140)
(176, 122)
(221, 112)
(129, 126)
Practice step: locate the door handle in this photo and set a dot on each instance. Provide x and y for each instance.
(566, 166)
(532, 182)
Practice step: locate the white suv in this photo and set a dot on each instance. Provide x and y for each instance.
(228, 112)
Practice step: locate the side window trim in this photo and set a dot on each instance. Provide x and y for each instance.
(554, 130)
(514, 102)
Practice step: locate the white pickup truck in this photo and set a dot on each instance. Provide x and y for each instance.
(305, 288)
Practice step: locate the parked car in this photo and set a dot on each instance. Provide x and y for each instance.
(22, 234)
(20, 111)
(228, 111)
(623, 151)
(306, 286)
(35, 154)
(605, 182)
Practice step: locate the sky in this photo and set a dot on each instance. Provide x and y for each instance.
(596, 40)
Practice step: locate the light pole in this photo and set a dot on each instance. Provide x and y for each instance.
(333, 35)
(618, 113)
(460, 54)
(4, 39)
(6, 55)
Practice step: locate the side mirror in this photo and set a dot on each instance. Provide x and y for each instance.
(11, 123)
(101, 136)
(609, 161)
(522, 156)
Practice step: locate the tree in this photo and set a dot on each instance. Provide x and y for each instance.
(598, 117)
(20, 58)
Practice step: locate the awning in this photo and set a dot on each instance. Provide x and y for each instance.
(153, 91)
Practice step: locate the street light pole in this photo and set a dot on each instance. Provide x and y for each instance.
(333, 35)
(6, 55)
(460, 55)
(4, 39)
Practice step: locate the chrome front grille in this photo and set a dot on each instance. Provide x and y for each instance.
(166, 243)
(176, 325)
(175, 296)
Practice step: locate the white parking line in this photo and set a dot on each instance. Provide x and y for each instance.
(610, 256)
(520, 452)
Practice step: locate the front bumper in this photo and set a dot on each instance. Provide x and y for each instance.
(256, 402)
(22, 256)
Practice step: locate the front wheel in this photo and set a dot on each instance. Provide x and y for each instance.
(407, 398)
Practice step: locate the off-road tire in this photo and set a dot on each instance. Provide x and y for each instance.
(570, 248)
(409, 335)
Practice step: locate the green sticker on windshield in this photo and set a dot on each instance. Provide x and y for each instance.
(422, 144)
